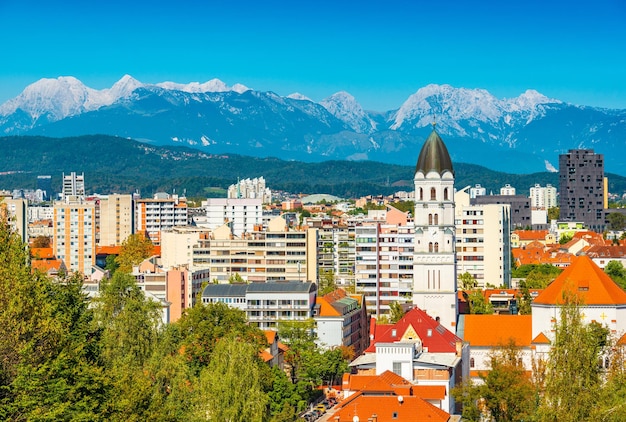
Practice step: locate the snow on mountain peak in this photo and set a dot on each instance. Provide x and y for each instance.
(298, 96)
(344, 106)
(214, 85)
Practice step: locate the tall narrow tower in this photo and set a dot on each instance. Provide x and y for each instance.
(434, 285)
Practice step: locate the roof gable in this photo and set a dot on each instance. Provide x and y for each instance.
(587, 281)
(433, 335)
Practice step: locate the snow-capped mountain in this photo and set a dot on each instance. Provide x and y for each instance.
(522, 134)
(344, 106)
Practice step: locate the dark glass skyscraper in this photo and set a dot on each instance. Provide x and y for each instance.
(581, 185)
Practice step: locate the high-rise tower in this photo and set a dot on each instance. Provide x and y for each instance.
(581, 196)
(434, 285)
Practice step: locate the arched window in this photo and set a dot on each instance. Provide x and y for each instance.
(471, 362)
(430, 219)
(445, 194)
(430, 246)
(433, 194)
(436, 219)
(421, 194)
(436, 247)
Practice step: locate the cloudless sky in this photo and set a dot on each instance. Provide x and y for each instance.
(379, 51)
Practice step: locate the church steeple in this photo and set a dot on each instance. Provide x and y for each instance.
(434, 155)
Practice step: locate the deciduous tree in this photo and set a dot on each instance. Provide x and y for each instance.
(134, 250)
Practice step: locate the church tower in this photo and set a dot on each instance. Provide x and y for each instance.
(434, 264)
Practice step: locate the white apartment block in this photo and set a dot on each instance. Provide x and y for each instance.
(275, 254)
(73, 185)
(507, 190)
(116, 219)
(177, 245)
(265, 304)
(483, 245)
(39, 213)
(242, 215)
(162, 212)
(477, 190)
(74, 239)
(252, 189)
(543, 198)
(384, 265)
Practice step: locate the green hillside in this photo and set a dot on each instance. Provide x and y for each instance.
(113, 164)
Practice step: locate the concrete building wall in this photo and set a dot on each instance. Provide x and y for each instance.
(74, 235)
(116, 219)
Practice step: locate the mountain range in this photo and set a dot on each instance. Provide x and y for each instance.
(517, 135)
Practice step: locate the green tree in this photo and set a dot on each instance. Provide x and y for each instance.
(564, 238)
(233, 383)
(505, 394)
(573, 376)
(524, 299)
(236, 278)
(617, 221)
(41, 242)
(617, 272)
(134, 250)
(478, 304)
(553, 213)
(327, 283)
(396, 312)
(111, 264)
(467, 281)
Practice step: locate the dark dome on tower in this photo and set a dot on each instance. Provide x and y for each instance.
(434, 156)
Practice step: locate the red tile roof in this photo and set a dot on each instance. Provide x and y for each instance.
(46, 265)
(541, 339)
(434, 336)
(42, 253)
(587, 281)
(607, 251)
(531, 234)
(389, 409)
(270, 336)
(498, 330)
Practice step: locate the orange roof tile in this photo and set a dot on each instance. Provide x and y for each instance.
(587, 281)
(326, 309)
(621, 341)
(266, 356)
(108, 250)
(541, 339)
(270, 336)
(497, 330)
(390, 409)
(531, 234)
(45, 265)
(430, 392)
(42, 253)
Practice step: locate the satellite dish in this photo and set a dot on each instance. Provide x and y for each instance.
(400, 399)
(355, 419)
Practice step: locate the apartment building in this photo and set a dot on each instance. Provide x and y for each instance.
(335, 248)
(116, 219)
(483, 241)
(74, 241)
(543, 197)
(251, 188)
(16, 211)
(384, 264)
(242, 215)
(582, 188)
(265, 304)
(162, 212)
(275, 254)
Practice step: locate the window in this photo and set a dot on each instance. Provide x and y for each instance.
(430, 246)
(394, 415)
(430, 219)
(433, 194)
(436, 247)
(436, 219)
(397, 368)
(445, 194)
(421, 194)
(471, 362)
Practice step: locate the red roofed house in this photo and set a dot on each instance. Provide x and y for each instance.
(419, 349)
(602, 255)
(388, 397)
(521, 238)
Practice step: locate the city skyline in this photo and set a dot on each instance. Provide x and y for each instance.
(379, 53)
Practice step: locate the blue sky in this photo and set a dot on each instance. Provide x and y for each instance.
(379, 51)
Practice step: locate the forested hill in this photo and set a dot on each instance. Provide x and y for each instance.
(114, 164)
